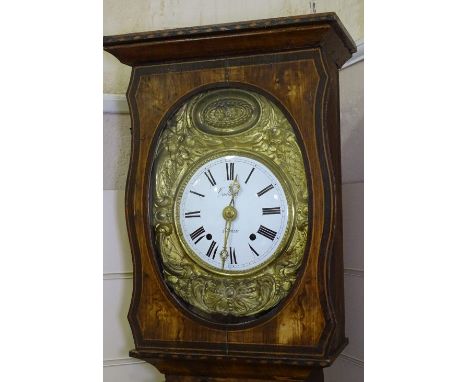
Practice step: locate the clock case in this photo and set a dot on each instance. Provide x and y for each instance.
(293, 61)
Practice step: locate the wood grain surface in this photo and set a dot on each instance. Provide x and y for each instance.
(305, 332)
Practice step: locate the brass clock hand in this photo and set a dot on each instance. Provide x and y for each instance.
(223, 254)
(234, 189)
(229, 214)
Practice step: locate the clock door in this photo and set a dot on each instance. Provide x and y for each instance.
(231, 226)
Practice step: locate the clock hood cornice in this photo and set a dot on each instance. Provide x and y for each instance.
(235, 39)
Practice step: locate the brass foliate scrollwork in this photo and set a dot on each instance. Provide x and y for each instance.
(206, 124)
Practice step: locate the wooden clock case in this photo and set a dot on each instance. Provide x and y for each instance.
(294, 62)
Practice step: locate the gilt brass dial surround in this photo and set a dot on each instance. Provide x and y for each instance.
(262, 132)
(229, 213)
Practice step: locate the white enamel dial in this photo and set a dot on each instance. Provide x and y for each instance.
(233, 214)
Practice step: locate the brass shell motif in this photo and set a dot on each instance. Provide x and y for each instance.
(204, 126)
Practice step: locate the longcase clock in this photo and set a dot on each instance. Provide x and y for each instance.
(233, 198)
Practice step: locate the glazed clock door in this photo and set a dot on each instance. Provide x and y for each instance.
(232, 239)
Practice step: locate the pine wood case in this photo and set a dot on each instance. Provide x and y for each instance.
(295, 62)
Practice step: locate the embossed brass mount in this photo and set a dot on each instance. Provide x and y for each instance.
(226, 111)
(206, 125)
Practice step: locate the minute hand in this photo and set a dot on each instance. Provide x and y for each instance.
(229, 214)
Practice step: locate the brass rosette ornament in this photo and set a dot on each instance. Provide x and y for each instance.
(209, 123)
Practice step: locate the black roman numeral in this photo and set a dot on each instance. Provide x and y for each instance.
(271, 211)
(265, 190)
(196, 193)
(232, 255)
(250, 173)
(209, 175)
(212, 250)
(253, 250)
(198, 232)
(268, 233)
(193, 214)
(230, 171)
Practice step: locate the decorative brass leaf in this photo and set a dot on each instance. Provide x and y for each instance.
(204, 126)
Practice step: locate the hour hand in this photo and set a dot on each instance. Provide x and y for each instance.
(234, 187)
(229, 214)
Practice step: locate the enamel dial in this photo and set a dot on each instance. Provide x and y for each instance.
(233, 213)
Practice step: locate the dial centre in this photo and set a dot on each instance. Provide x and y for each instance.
(229, 213)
